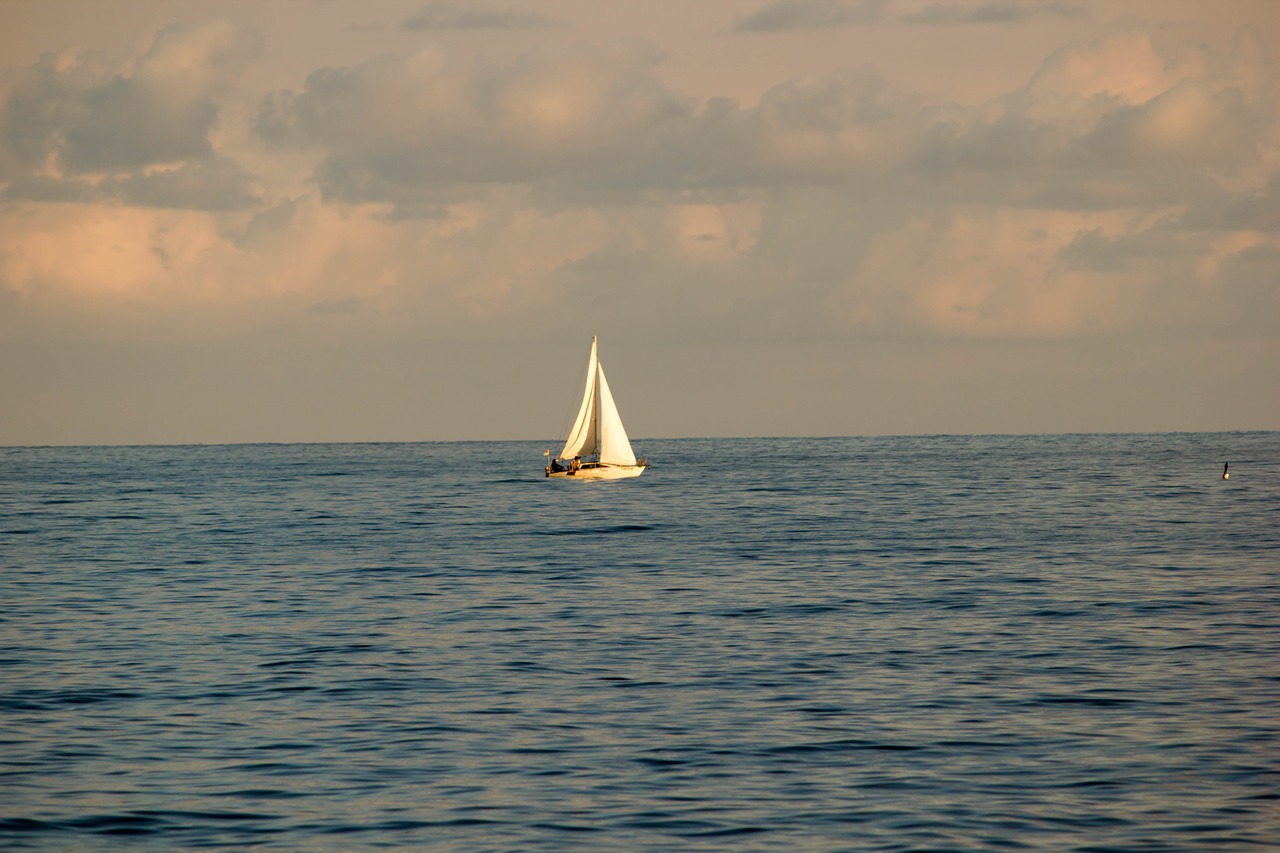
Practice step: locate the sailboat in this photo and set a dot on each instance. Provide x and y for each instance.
(597, 447)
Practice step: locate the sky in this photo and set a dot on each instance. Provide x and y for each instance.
(346, 220)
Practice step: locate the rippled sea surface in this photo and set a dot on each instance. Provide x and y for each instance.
(927, 643)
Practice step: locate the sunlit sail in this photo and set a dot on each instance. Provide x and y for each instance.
(597, 447)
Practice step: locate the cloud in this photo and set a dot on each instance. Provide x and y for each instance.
(211, 184)
(576, 126)
(1112, 124)
(120, 124)
(450, 16)
(439, 191)
(998, 12)
(107, 272)
(1258, 210)
(785, 15)
(1097, 251)
(411, 130)
(90, 255)
(1128, 67)
(1094, 251)
(1040, 274)
(1192, 123)
(1054, 211)
(267, 222)
(82, 130)
(801, 15)
(40, 188)
(1115, 123)
(161, 111)
(1187, 279)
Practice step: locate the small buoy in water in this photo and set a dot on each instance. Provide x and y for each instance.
(1225, 466)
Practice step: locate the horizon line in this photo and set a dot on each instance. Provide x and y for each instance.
(277, 443)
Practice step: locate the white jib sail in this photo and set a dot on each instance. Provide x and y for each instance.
(615, 447)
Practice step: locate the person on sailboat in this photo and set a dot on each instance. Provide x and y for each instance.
(576, 465)
(555, 467)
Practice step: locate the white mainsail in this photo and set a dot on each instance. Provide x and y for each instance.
(583, 438)
(598, 429)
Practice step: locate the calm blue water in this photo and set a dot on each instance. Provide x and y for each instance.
(940, 643)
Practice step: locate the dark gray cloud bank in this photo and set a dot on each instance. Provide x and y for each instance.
(392, 133)
(801, 15)
(143, 138)
(443, 16)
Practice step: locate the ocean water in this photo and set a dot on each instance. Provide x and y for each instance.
(925, 643)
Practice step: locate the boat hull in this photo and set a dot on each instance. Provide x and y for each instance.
(600, 472)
